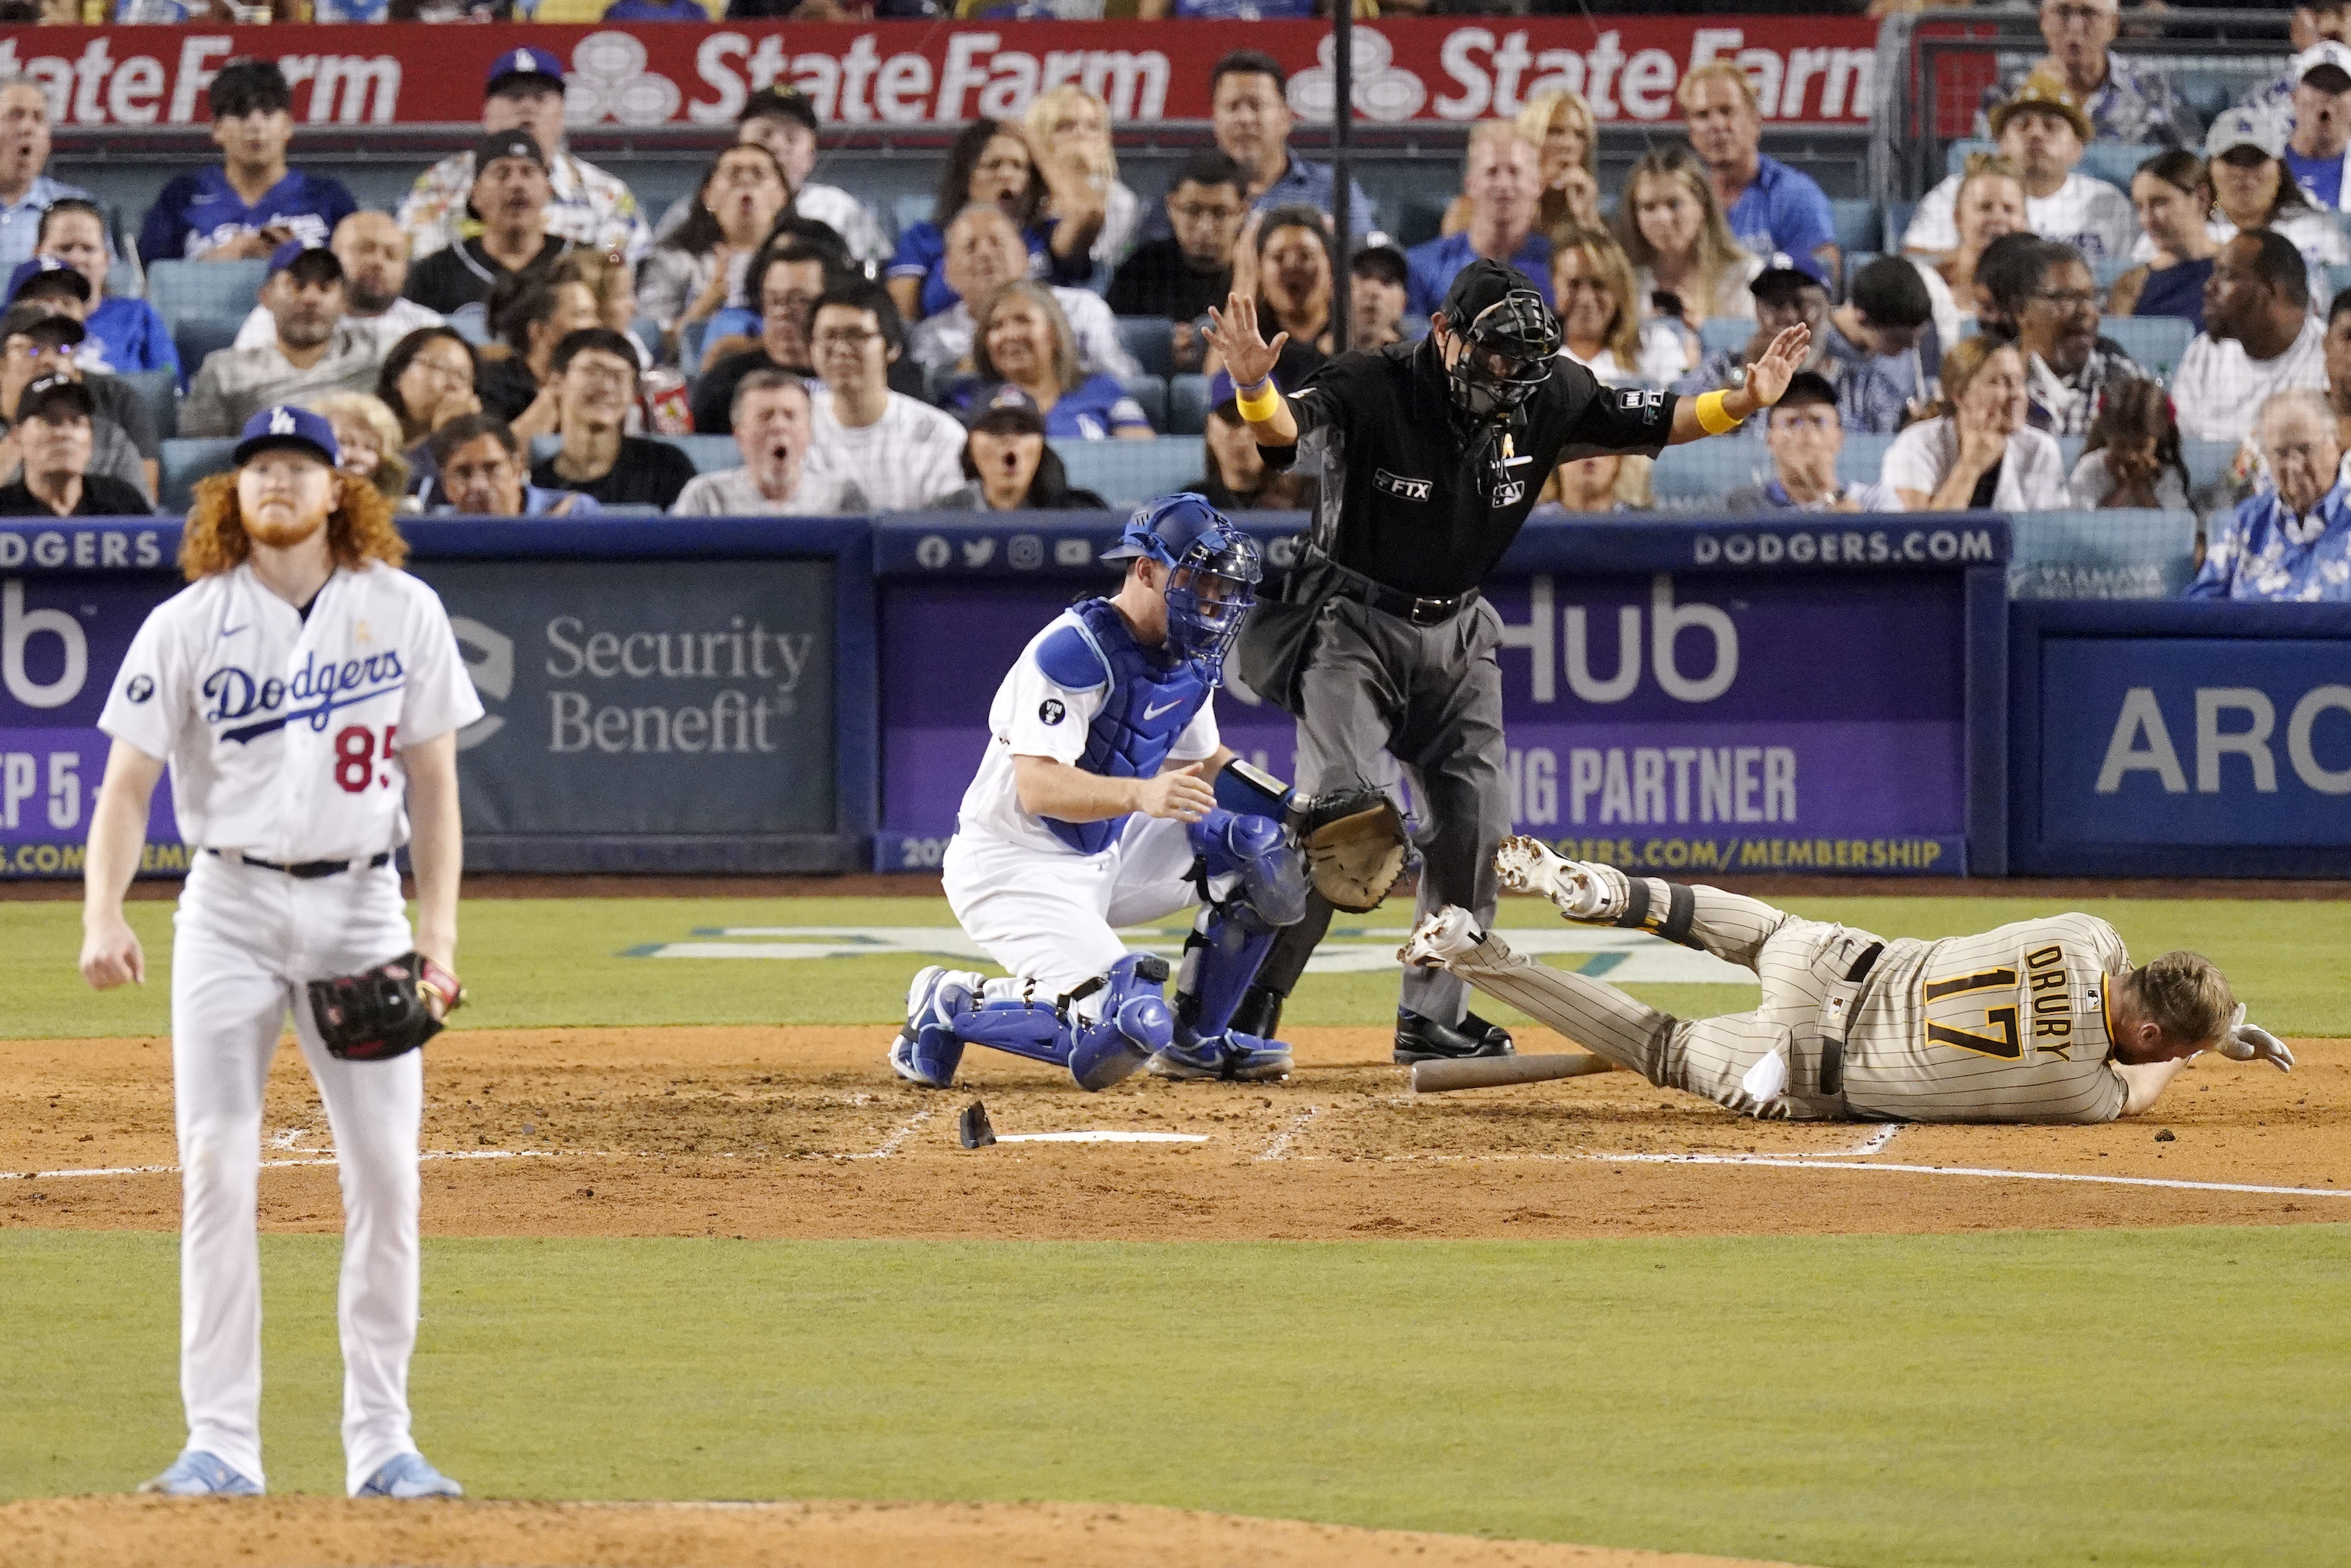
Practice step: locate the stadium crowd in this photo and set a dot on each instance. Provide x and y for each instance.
(522, 338)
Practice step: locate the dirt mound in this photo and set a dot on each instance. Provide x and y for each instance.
(331, 1532)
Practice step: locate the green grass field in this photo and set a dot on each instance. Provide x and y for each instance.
(544, 961)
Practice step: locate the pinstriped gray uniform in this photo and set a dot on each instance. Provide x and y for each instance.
(2009, 1026)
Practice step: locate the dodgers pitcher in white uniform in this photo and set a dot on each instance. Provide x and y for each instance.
(2038, 1020)
(1105, 798)
(307, 695)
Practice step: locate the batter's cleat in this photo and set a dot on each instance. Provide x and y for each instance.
(1581, 890)
(1447, 934)
(926, 1051)
(1419, 1039)
(199, 1474)
(408, 1475)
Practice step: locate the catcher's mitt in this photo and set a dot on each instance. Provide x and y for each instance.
(382, 1013)
(1354, 843)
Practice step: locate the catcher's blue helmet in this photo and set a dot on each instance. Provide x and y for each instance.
(1213, 569)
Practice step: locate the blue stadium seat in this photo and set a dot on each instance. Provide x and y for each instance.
(1857, 223)
(2113, 162)
(911, 207)
(198, 336)
(2154, 342)
(159, 391)
(1125, 473)
(1898, 222)
(1188, 405)
(183, 289)
(710, 452)
(185, 462)
(1862, 458)
(1151, 391)
(2069, 447)
(1719, 332)
(473, 323)
(2207, 461)
(1150, 339)
(1701, 473)
(2338, 278)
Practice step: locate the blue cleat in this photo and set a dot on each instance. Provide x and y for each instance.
(1232, 1056)
(927, 1051)
(199, 1474)
(408, 1475)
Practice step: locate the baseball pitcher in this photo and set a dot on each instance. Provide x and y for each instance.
(307, 695)
(2043, 1021)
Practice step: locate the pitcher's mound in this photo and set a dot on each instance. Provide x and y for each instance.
(329, 1532)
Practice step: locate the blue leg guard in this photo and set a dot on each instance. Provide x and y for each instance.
(927, 1051)
(1230, 937)
(1134, 1023)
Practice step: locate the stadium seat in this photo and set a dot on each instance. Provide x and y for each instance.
(1702, 473)
(2154, 342)
(2113, 553)
(1151, 391)
(1725, 332)
(182, 290)
(1856, 224)
(184, 462)
(711, 454)
(1125, 473)
(1417, 222)
(196, 337)
(473, 323)
(690, 339)
(1898, 222)
(2113, 162)
(2106, 269)
(2338, 278)
(912, 207)
(1150, 339)
(159, 391)
(2069, 447)
(1862, 458)
(2207, 461)
(1188, 405)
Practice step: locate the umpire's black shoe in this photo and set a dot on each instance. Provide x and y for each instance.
(1259, 1012)
(1419, 1039)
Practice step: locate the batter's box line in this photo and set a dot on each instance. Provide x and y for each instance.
(325, 1158)
(1279, 1148)
(897, 1140)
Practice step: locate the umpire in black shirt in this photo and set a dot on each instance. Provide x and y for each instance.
(1431, 454)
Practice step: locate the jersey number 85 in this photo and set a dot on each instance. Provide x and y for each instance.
(355, 758)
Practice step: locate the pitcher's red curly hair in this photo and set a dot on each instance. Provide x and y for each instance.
(359, 528)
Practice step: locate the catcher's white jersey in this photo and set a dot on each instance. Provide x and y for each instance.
(2007, 1026)
(284, 730)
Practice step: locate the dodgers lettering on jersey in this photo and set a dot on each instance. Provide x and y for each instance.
(1084, 693)
(285, 734)
(2011, 1026)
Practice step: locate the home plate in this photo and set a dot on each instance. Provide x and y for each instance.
(1102, 1136)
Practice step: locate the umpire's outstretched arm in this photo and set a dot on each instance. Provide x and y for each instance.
(1249, 360)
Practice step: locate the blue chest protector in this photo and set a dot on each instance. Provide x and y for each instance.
(1146, 708)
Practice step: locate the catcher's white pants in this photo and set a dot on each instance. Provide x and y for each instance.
(1054, 918)
(245, 941)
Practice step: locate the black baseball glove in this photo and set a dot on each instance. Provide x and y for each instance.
(383, 1012)
(1354, 844)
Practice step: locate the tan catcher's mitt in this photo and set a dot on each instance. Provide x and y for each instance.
(1356, 847)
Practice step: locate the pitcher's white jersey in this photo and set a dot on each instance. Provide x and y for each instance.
(284, 731)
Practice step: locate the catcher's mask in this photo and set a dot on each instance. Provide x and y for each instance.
(1505, 337)
(1213, 570)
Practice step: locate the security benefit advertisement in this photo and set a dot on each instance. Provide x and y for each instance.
(1680, 720)
(71, 600)
(2215, 741)
(645, 699)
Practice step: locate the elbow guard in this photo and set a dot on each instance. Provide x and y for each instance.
(1250, 791)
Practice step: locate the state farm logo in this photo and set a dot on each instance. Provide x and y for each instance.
(609, 81)
(1383, 90)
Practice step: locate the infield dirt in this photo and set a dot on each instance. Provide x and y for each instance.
(801, 1133)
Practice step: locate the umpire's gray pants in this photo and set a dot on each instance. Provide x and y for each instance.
(1432, 697)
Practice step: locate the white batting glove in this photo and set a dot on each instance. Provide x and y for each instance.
(2250, 1043)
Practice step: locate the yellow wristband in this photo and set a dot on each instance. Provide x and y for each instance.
(1256, 407)
(1712, 417)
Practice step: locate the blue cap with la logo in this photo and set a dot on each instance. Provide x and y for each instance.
(525, 62)
(285, 425)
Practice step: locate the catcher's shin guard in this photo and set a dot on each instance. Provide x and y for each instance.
(1134, 1022)
(1231, 935)
(927, 1051)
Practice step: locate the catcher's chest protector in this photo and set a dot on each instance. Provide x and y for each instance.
(1144, 711)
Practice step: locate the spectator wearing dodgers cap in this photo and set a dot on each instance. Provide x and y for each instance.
(2253, 188)
(585, 205)
(2321, 129)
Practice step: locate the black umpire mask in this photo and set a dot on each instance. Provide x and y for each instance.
(1506, 340)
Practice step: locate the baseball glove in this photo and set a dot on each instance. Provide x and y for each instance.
(1354, 843)
(382, 1013)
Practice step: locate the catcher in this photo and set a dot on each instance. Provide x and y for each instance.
(1107, 797)
(306, 693)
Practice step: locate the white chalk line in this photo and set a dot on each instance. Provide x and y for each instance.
(326, 1159)
(896, 1141)
(1279, 1148)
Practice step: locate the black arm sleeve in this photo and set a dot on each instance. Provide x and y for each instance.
(1635, 420)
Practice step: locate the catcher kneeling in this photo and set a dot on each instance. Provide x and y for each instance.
(1106, 799)
(2041, 1020)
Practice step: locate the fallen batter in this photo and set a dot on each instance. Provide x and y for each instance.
(2043, 1021)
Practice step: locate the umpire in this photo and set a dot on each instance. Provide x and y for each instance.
(1431, 456)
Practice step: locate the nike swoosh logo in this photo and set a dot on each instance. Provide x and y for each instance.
(1150, 713)
(233, 630)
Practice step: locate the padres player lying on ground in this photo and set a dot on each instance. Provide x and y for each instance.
(2043, 1021)
(1105, 798)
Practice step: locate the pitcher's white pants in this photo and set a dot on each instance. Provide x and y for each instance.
(245, 942)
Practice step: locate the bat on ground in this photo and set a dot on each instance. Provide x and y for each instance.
(1492, 1072)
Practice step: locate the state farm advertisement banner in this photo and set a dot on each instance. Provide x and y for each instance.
(1806, 70)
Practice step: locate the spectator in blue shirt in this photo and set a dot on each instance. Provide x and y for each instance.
(2321, 134)
(2291, 544)
(252, 203)
(1025, 352)
(1770, 207)
(25, 191)
(1502, 178)
(1248, 113)
(126, 335)
(991, 161)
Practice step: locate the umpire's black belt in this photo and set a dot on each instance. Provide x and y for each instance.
(1418, 609)
(307, 871)
(1838, 1011)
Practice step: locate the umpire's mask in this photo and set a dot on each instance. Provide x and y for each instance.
(1506, 339)
(1213, 570)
